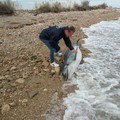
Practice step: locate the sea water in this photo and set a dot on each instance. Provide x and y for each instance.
(98, 78)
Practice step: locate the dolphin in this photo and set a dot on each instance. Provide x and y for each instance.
(71, 61)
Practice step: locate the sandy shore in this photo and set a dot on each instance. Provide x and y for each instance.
(27, 82)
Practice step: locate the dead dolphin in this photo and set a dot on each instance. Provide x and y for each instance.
(71, 61)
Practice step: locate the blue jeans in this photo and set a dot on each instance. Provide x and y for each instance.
(51, 48)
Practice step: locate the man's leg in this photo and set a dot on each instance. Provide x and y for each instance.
(52, 51)
(57, 50)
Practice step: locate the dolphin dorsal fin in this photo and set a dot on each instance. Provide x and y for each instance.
(78, 40)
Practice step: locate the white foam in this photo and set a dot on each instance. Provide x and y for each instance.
(98, 79)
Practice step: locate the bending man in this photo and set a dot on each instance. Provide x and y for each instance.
(51, 36)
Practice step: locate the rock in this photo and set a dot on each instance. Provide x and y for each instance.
(28, 23)
(12, 104)
(34, 68)
(13, 84)
(2, 77)
(85, 36)
(45, 90)
(20, 80)
(14, 26)
(37, 81)
(55, 97)
(1, 42)
(45, 63)
(7, 76)
(58, 58)
(36, 71)
(24, 57)
(34, 57)
(53, 72)
(5, 108)
(8, 88)
(115, 19)
(24, 102)
(13, 68)
(2, 84)
(25, 75)
(46, 70)
(32, 93)
(57, 70)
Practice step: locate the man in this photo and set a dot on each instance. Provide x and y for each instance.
(51, 36)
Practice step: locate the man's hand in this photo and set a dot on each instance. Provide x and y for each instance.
(74, 51)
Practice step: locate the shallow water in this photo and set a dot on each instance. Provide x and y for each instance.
(98, 79)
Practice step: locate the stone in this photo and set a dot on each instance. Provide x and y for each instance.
(32, 93)
(1, 42)
(2, 77)
(24, 102)
(45, 63)
(14, 26)
(34, 57)
(25, 75)
(5, 108)
(58, 58)
(57, 70)
(13, 68)
(2, 84)
(53, 72)
(36, 71)
(7, 76)
(20, 80)
(13, 84)
(37, 81)
(115, 18)
(85, 36)
(46, 70)
(12, 104)
(45, 90)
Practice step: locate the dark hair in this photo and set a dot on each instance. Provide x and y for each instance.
(71, 28)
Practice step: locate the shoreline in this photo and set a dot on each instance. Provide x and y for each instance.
(98, 69)
(26, 80)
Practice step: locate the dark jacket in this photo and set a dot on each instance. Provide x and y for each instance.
(54, 34)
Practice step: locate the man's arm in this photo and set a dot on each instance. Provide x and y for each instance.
(68, 43)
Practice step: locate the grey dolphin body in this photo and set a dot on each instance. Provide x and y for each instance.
(71, 62)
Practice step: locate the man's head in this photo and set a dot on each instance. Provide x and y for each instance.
(69, 31)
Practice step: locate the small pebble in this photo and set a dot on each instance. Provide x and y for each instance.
(20, 80)
(45, 90)
(5, 108)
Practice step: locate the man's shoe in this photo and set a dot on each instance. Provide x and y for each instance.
(59, 53)
(54, 64)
